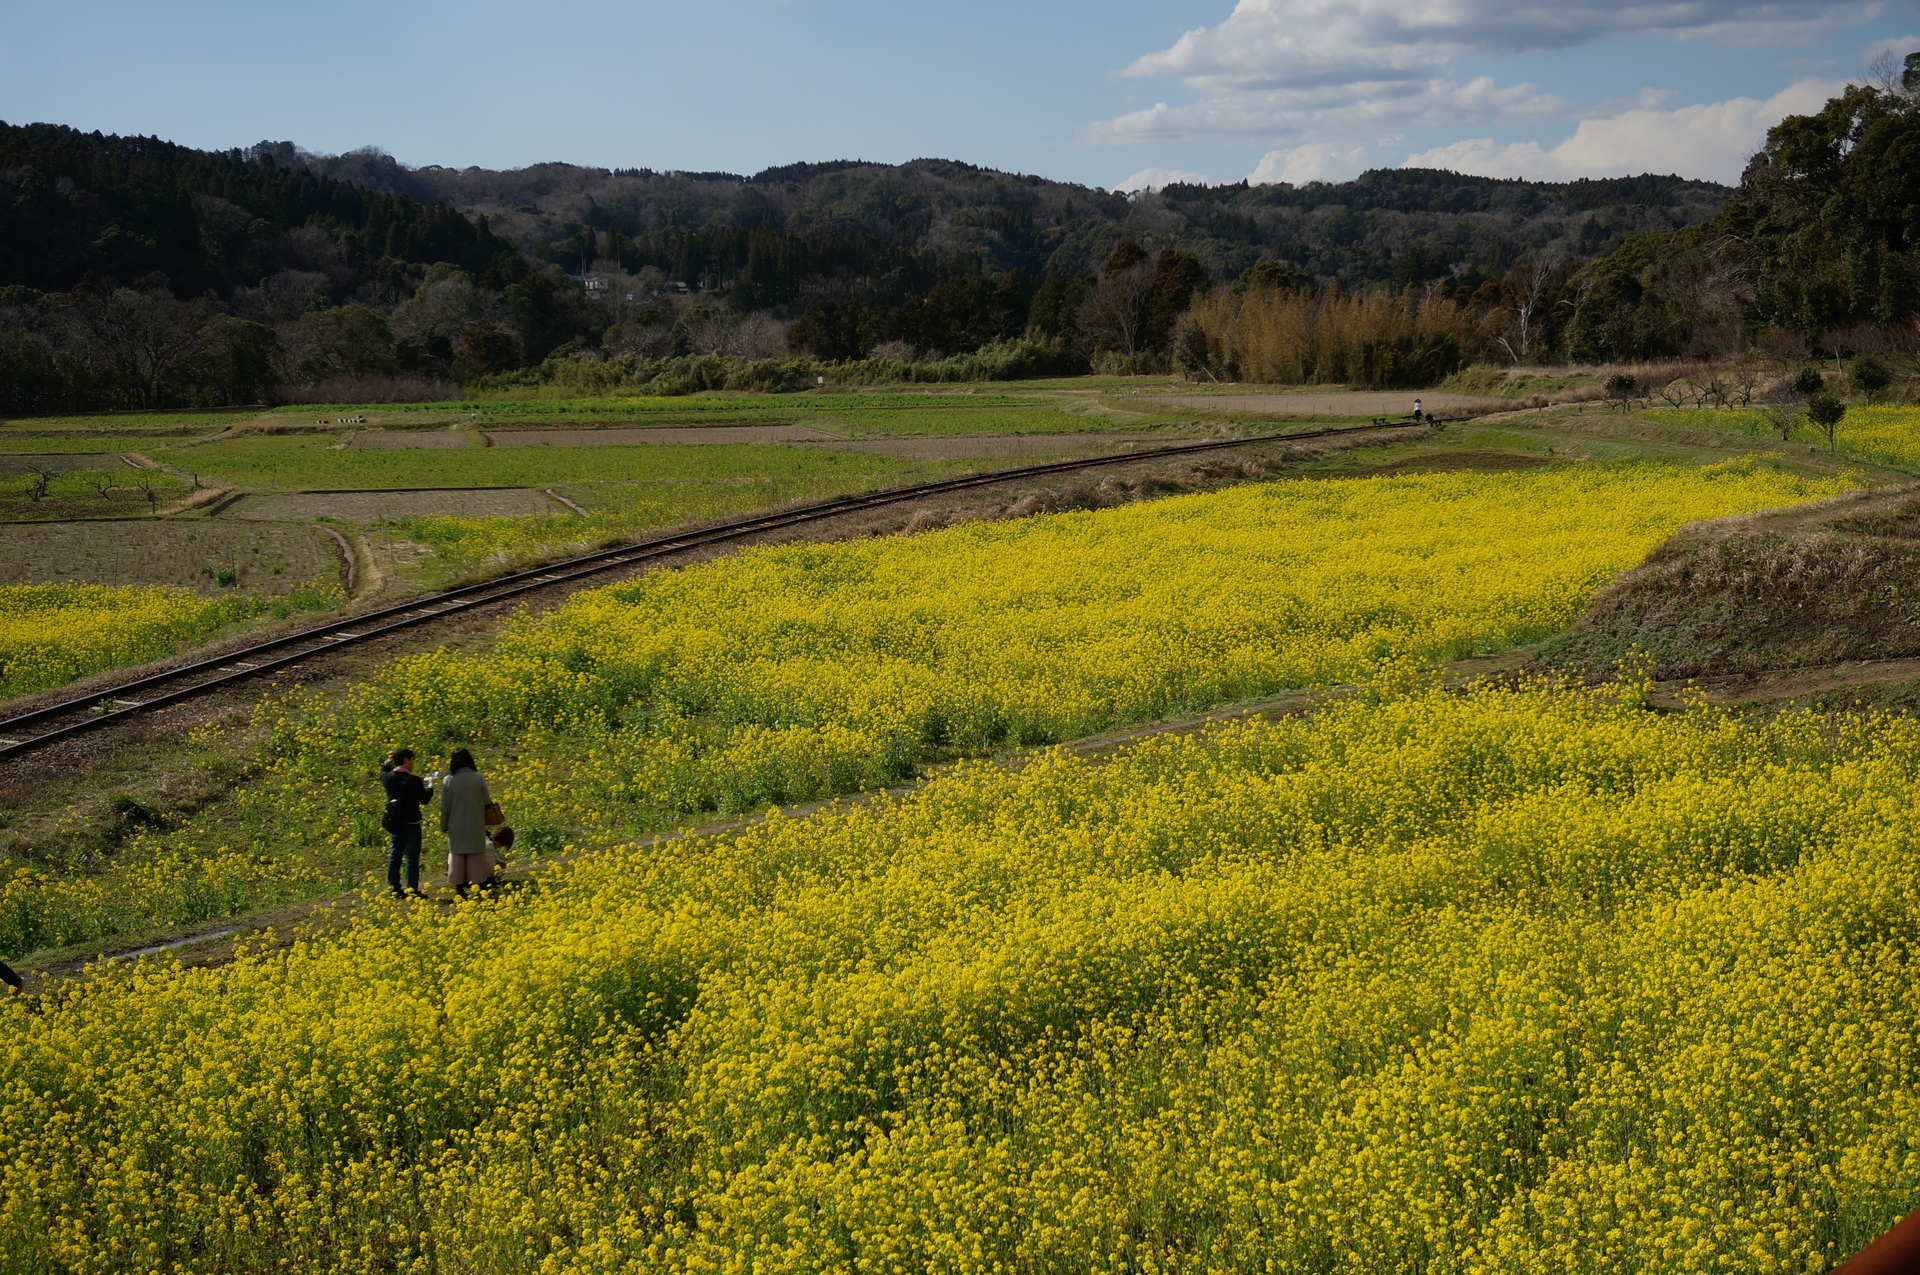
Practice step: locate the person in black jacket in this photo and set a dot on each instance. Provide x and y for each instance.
(406, 793)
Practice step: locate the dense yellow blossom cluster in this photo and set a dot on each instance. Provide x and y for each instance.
(1524, 981)
(1890, 435)
(1887, 436)
(53, 633)
(786, 674)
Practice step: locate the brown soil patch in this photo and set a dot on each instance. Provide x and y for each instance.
(1062, 445)
(61, 462)
(437, 438)
(633, 437)
(151, 551)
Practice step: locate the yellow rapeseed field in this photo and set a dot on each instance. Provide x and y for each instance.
(1883, 435)
(780, 674)
(1890, 435)
(53, 633)
(1526, 981)
(785, 674)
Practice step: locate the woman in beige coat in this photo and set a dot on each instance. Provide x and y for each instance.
(463, 817)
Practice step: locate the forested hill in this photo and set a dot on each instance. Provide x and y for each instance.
(123, 209)
(1820, 246)
(74, 204)
(895, 227)
(268, 272)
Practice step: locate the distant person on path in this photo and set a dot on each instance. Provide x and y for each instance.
(1416, 409)
(463, 817)
(406, 793)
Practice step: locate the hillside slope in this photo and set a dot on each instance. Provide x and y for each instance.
(75, 204)
(1819, 584)
(1407, 225)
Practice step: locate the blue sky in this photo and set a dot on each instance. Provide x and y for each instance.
(1117, 93)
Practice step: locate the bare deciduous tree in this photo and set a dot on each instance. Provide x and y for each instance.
(102, 483)
(1115, 311)
(1784, 410)
(148, 483)
(1742, 379)
(1531, 287)
(39, 482)
(145, 340)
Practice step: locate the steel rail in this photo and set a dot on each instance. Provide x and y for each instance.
(112, 705)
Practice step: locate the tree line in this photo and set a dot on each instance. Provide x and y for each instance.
(137, 273)
(1815, 252)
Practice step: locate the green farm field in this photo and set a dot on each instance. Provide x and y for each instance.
(620, 408)
(129, 422)
(115, 443)
(311, 461)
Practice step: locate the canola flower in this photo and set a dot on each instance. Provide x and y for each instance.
(1884, 435)
(1521, 981)
(790, 673)
(1890, 435)
(783, 673)
(54, 633)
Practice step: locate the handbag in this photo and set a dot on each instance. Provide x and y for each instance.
(492, 815)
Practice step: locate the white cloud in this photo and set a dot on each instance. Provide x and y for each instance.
(1302, 164)
(1306, 69)
(1339, 108)
(1328, 41)
(1155, 178)
(1713, 140)
(1750, 34)
(1896, 46)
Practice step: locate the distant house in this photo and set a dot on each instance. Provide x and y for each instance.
(597, 285)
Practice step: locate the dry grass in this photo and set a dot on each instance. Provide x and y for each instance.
(1375, 340)
(1820, 584)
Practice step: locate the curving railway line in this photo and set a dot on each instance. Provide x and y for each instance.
(56, 722)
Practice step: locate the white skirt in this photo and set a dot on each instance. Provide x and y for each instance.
(469, 869)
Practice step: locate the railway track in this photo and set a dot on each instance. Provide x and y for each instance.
(30, 731)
